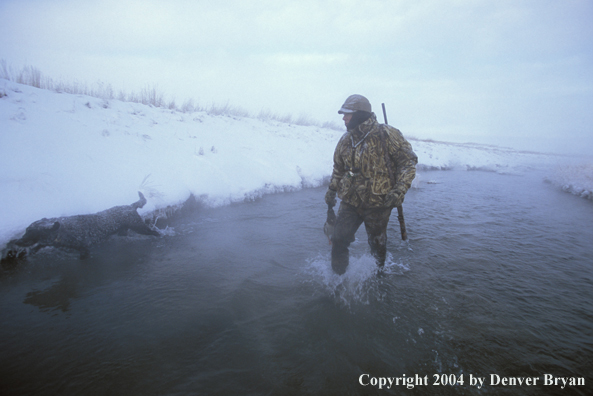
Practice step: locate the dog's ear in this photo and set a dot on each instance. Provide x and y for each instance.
(55, 226)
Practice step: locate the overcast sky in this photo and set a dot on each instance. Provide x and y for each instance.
(512, 73)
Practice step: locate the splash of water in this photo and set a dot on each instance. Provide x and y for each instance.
(360, 284)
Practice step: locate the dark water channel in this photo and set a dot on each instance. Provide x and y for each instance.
(496, 282)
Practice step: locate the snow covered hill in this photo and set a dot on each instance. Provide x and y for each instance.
(63, 154)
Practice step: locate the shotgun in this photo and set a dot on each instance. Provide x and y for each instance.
(400, 209)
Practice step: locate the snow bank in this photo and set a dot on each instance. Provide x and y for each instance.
(470, 156)
(576, 179)
(63, 154)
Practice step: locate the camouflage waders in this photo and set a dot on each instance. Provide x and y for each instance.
(347, 223)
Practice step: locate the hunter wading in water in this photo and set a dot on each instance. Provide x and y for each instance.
(374, 166)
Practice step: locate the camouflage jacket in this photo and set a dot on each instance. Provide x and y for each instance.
(370, 161)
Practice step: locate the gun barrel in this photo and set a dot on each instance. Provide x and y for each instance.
(400, 209)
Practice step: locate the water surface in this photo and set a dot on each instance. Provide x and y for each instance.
(496, 278)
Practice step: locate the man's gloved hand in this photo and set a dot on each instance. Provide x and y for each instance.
(330, 198)
(394, 198)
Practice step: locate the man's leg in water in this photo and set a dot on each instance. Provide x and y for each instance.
(347, 222)
(375, 223)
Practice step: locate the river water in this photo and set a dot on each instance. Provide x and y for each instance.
(495, 282)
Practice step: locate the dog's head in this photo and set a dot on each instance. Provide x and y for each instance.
(12, 253)
(44, 230)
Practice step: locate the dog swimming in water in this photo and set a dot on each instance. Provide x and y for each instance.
(79, 232)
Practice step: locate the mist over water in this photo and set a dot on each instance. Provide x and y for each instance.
(496, 278)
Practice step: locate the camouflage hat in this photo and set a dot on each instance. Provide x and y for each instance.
(355, 103)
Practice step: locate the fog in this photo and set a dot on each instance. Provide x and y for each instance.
(513, 74)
